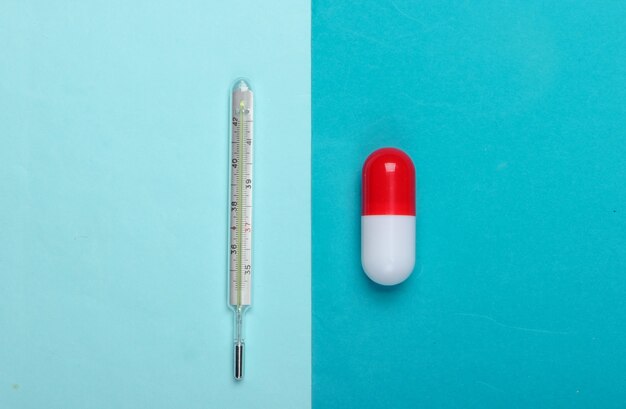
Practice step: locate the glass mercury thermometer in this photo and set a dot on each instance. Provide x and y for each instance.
(240, 261)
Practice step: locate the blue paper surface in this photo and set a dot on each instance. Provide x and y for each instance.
(514, 115)
(113, 204)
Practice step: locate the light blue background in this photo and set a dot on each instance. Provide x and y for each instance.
(113, 161)
(515, 116)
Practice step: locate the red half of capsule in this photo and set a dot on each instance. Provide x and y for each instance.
(388, 184)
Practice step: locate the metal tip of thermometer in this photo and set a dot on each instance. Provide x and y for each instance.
(239, 361)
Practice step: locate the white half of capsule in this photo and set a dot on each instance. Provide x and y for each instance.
(388, 247)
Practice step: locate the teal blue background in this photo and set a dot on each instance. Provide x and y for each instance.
(113, 203)
(514, 114)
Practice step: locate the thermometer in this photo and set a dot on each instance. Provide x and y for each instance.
(240, 237)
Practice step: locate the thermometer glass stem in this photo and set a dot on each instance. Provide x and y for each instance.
(240, 261)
